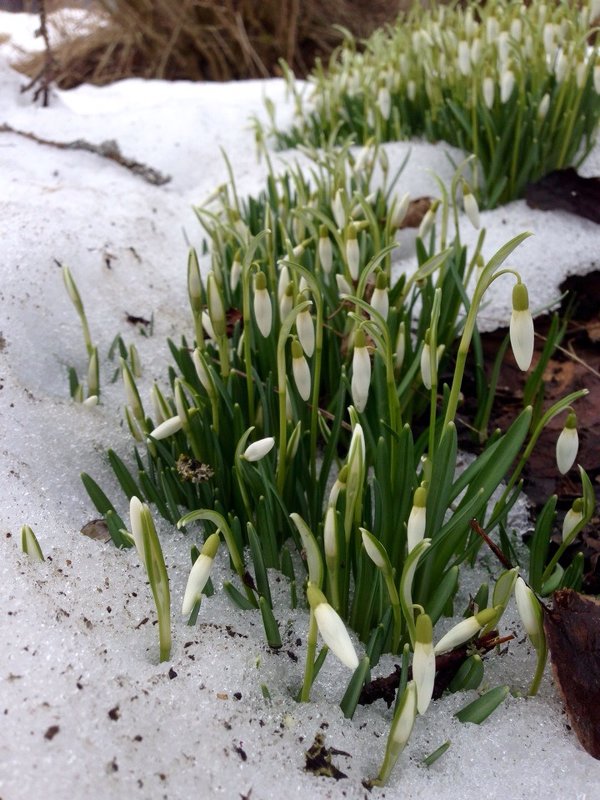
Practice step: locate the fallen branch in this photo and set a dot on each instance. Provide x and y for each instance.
(108, 149)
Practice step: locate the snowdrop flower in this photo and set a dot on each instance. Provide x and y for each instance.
(488, 87)
(400, 350)
(530, 612)
(567, 444)
(464, 631)
(384, 101)
(361, 371)
(415, 529)
(263, 312)
(332, 629)
(286, 301)
(216, 309)
(379, 299)
(543, 106)
(428, 219)
(561, 67)
(338, 210)
(400, 210)
(521, 327)
(202, 372)
(298, 250)
(402, 723)
(572, 518)
(91, 401)
(135, 517)
(502, 45)
(475, 54)
(207, 325)
(470, 206)
(283, 281)
(548, 37)
(325, 250)
(343, 285)
(306, 331)
(423, 665)
(200, 573)
(259, 449)
(300, 370)
(581, 74)
(338, 486)
(236, 272)
(352, 252)
(492, 29)
(411, 90)
(329, 537)
(372, 549)
(464, 58)
(507, 84)
(167, 428)
(516, 28)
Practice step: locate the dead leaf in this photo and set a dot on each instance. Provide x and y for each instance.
(97, 529)
(318, 759)
(416, 211)
(573, 632)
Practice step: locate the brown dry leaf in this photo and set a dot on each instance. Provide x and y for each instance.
(97, 529)
(416, 211)
(573, 632)
(318, 759)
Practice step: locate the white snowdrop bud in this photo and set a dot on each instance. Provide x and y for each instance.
(400, 350)
(373, 549)
(208, 327)
(597, 78)
(329, 535)
(516, 29)
(325, 250)
(216, 309)
(91, 401)
(548, 37)
(332, 629)
(415, 529)
(492, 29)
(470, 206)
(379, 299)
(338, 486)
(167, 428)
(135, 517)
(502, 45)
(400, 210)
(338, 210)
(306, 331)
(464, 630)
(298, 250)
(200, 573)
(283, 281)
(530, 612)
(411, 90)
(263, 312)
(475, 51)
(567, 444)
(236, 272)
(488, 91)
(521, 327)
(361, 371)
(428, 219)
(352, 252)
(131, 392)
(542, 14)
(544, 106)
(300, 370)
(384, 101)
(404, 719)
(423, 665)
(286, 303)
(561, 67)
(572, 518)
(259, 449)
(464, 58)
(343, 285)
(202, 372)
(507, 84)
(581, 74)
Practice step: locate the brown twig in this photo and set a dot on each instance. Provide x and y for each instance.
(492, 545)
(108, 149)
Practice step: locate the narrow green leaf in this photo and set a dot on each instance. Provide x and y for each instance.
(128, 484)
(270, 624)
(480, 709)
(352, 693)
(469, 675)
(236, 597)
(433, 757)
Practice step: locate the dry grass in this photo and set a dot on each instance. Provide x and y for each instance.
(209, 39)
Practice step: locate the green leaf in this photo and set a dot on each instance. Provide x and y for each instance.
(469, 675)
(480, 709)
(433, 757)
(352, 693)
(270, 624)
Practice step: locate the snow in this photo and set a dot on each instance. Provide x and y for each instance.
(77, 633)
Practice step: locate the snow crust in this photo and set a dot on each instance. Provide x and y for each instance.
(86, 709)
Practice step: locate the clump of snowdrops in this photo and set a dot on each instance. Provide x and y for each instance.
(313, 409)
(517, 85)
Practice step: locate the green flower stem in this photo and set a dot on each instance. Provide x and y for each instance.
(159, 582)
(309, 667)
(542, 655)
(435, 315)
(284, 332)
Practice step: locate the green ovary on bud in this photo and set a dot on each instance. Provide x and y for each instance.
(521, 327)
(567, 444)
(200, 573)
(572, 518)
(331, 627)
(300, 370)
(465, 630)
(423, 665)
(379, 299)
(325, 250)
(216, 309)
(361, 371)
(263, 312)
(415, 529)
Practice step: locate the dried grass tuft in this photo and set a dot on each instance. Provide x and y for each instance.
(208, 39)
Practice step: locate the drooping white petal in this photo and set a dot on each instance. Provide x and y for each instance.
(335, 635)
(415, 528)
(306, 332)
(361, 377)
(263, 311)
(423, 665)
(301, 372)
(259, 449)
(471, 209)
(167, 428)
(522, 338)
(567, 446)
(197, 579)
